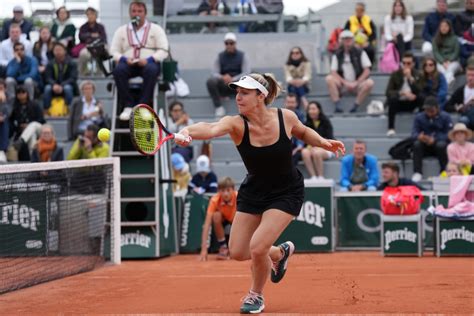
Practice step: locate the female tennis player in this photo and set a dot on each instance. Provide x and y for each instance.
(273, 191)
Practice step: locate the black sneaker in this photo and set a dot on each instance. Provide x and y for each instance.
(252, 304)
(279, 267)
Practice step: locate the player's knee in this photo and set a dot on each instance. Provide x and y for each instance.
(258, 250)
(238, 254)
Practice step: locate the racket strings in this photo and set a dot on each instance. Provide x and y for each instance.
(147, 132)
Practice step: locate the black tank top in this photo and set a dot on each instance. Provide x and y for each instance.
(271, 160)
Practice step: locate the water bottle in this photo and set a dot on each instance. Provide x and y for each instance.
(245, 8)
(239, 8)
(220, 8)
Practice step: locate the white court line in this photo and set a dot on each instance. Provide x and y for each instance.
(209, 276)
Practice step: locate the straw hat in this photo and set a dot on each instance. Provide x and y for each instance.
(460, 127)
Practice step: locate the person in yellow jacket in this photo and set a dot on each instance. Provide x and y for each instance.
(364, 30)
(88, 146)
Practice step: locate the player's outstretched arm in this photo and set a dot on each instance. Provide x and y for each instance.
(311, 137)
(204, 131)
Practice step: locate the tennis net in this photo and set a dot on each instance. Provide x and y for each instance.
(57, 219)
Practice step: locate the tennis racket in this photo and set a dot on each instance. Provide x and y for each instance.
(147, 132)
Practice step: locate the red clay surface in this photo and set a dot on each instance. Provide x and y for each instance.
(347, 282)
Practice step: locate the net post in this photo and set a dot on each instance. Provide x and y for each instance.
(116, 256)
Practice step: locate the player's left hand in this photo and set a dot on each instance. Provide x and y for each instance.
(335, 146)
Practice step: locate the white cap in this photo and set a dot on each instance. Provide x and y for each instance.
(248, 82)
(18, 8)
(346, 34)
(230, 37)
(203, 164)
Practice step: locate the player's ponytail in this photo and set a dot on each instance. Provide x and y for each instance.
(268, 81)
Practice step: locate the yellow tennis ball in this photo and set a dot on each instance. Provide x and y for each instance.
(103, 135)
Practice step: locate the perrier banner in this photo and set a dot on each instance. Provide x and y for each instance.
(23, 219)
(312, 230)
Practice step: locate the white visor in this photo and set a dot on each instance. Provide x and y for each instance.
(248, 82)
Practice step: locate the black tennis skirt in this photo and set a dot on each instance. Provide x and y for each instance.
(258, 194)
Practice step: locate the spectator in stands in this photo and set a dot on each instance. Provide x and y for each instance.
(4, 126)
(47, 149)
(138, 47)
(461, 150)
(18, 18)
(452, 169)
(313, 157)
(298, 75)
(88, 146)
(464, 20)
(220, 213)
(43, 50)
(6, 47)
(25, 123)
(228, 66)
(467, 45)
(178, 120)
(180, 173)
(359, 170)
(61, 76)
(214, 8)
(430, 132)
(399, 27)
(462, 100)
(22, 69)
(403, 92)
(432, 82)
(431, 25)
(350, 71)
(88, 33)
(446, 51)
(63, 30)
(364, 30)
(391, 177)
(291, 103)
(85, 110)
(204, 181)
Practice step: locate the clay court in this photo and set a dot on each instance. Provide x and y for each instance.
(343, 282)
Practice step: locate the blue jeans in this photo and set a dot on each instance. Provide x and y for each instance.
(299, 91)
(4, 135)
(48, 94)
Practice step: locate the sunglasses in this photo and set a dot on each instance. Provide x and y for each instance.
(229, 43)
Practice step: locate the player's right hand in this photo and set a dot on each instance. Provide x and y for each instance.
(183, 141)
(203, 255)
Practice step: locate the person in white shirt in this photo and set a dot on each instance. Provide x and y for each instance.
(137, 47)
(350, 71)
(6, 47)
(399, 27)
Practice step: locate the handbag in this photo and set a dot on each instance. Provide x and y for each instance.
(390, 60)
(178, 88)
(401, 200)
(75, 51)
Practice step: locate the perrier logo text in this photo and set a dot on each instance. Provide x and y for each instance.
(401, 234)
(19, 215)
(456, 233)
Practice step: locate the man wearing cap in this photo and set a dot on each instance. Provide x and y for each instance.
(137, 48)
(18, 18)
(430, 132)
(228, 66)
(350, 71)
(204, 181)
(180, 173)
(461, 150)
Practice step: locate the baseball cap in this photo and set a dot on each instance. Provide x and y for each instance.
(18, 8)
(203, 164)
(177, 161)
(230, 37)
(346, 34)
(430, 102)
(248, 82)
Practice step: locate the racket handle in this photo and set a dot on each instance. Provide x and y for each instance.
(182, 138)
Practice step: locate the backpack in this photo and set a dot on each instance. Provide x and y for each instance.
(402, 200)
(333, 42)
(58, 107)
(390, 61)
(403, 149)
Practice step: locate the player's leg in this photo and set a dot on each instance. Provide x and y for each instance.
(218, 225)
(263, 253)
(242, 230)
